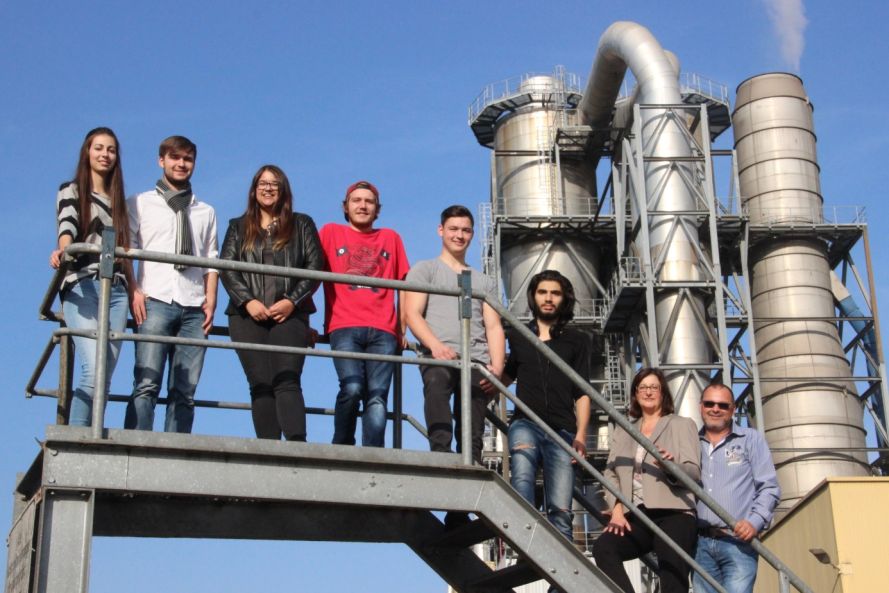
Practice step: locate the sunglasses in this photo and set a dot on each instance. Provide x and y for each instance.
(720, 405)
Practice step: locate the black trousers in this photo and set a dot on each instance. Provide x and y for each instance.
(439, 384)
(612, 550)
(275, 390)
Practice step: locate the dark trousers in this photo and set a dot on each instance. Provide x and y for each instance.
(439, 384)
(275, 391)
(612, 550)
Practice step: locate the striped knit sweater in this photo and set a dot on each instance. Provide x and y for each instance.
(68, 216)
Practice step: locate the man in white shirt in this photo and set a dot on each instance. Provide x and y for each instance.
(171, 300)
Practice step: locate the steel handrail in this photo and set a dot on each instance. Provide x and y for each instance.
(224, 405)
(466, 292)
(265, 269)
(45, 313)
(31, 389)
(587, 467)
(646, 444)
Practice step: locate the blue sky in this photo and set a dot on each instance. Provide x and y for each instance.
(333, 92)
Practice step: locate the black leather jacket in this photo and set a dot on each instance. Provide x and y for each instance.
(303, 251)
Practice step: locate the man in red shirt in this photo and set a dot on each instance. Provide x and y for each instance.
(361, 318)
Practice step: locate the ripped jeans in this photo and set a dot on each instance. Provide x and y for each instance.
(528, 447)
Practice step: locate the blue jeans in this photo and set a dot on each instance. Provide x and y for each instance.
(186, 363)
(529, 446)
(363, 382)
(80, 305)
(730, 561)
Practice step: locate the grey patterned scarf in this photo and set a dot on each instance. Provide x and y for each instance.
(178, 200)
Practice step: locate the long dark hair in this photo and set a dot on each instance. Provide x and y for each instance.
(566, 307)
(667, 406)
(283, 211)
(83, 178)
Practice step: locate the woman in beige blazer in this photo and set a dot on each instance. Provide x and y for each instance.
(659, 495)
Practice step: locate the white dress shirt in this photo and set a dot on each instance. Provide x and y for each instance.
(153, 228)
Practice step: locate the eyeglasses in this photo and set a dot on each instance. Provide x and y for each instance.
(652, 388)
(721, 405)
(268, 185)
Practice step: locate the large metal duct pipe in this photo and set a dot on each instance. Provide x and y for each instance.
(682, 338)
(807, 401)
(529, 183)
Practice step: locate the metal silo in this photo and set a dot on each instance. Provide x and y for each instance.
(531, 184)
(809, 399)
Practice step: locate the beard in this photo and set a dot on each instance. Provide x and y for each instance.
(717, 425)
(548, 317)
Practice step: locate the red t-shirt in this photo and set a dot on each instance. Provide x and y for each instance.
(377, 254)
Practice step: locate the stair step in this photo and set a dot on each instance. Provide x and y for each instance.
(507, 578)
(465, 535)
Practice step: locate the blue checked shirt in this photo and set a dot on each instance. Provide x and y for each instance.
(738, 472)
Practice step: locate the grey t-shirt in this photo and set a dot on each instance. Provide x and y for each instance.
(443, 312)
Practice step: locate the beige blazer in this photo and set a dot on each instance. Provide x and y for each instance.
(675, 434)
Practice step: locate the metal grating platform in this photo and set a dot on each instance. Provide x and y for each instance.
(146, 484)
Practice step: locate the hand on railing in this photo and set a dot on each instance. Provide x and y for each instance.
(442, 351)
(488, 387)
(55, 259)
(665, 454)
(744, 530)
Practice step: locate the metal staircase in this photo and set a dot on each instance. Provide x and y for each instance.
(145, 484)
(122, 483)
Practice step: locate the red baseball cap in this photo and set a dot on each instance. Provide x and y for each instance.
(363, 185)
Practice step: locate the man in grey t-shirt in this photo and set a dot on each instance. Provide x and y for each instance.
(434, 321)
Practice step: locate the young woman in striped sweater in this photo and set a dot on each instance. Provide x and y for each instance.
(91, 202)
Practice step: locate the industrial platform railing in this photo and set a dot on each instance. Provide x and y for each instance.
(516, 85)
(465, 293)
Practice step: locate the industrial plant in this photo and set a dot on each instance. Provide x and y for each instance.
(693, 227)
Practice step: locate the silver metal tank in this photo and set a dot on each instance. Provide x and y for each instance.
(533, 185)
(816, 407)
(630, 45)
(529, 185)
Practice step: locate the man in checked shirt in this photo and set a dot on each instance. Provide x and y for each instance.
(736, 470)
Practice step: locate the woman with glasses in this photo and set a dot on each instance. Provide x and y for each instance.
(272, 310)
(85, 206)
(659, 495)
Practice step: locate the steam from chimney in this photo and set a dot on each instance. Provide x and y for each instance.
(789, 20)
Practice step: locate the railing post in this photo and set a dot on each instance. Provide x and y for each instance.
(66, 377)
(465, 368)
(397, 409)
(106, 275)
(783, 582)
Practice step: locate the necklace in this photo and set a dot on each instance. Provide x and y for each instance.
(270, 229)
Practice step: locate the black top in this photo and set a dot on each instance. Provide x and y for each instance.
(540, 385)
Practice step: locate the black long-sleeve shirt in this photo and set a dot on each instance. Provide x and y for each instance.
(540, 385)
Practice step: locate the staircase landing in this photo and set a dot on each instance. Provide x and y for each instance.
(146, 484)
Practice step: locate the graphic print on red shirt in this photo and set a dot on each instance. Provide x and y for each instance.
(377, 254)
